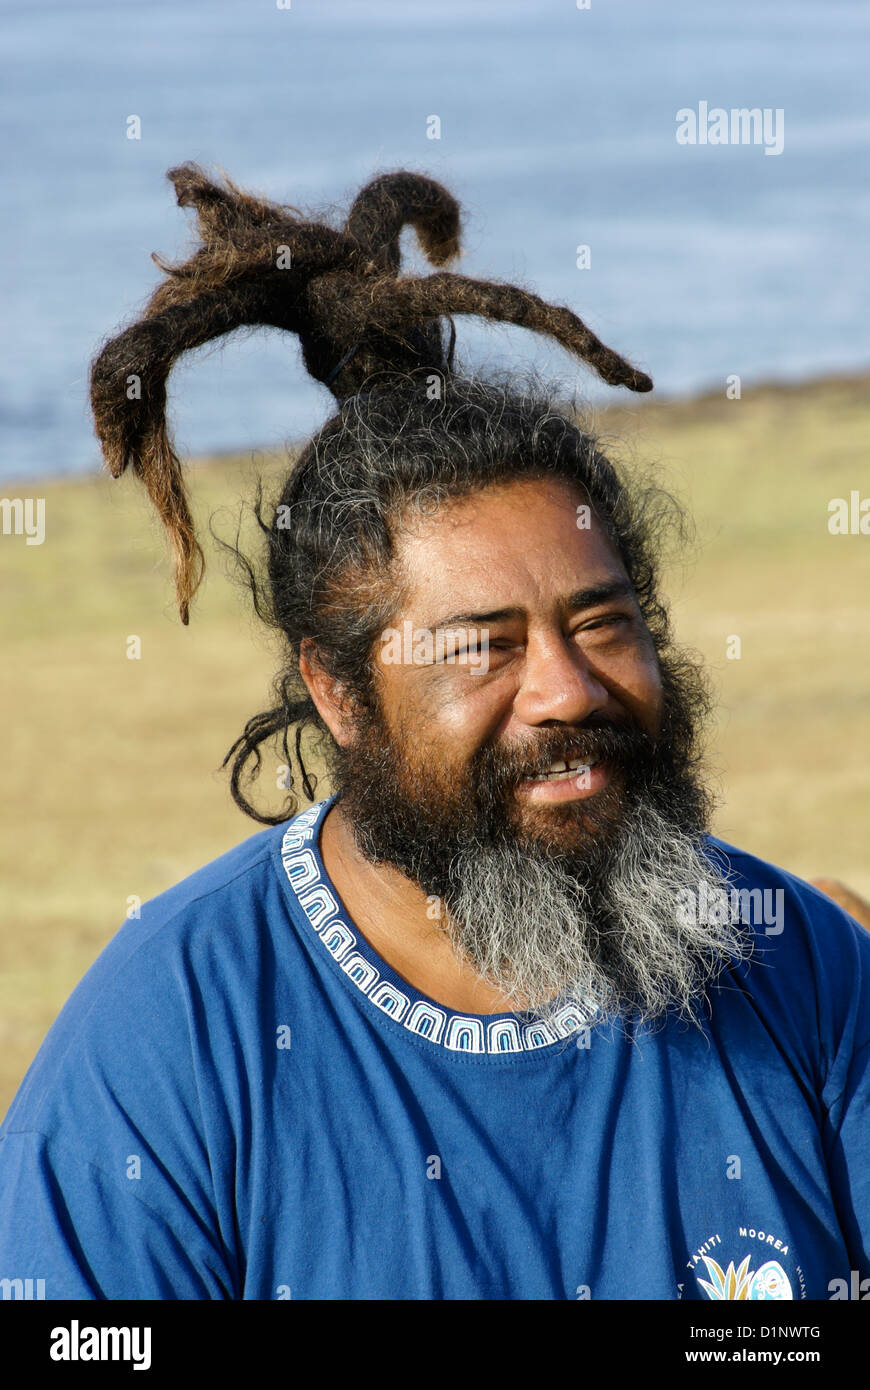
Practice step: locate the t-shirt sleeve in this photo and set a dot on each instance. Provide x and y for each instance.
(845, 947)
(811, 978)
(849, 1158)
(78, 1233)
(108, 1182)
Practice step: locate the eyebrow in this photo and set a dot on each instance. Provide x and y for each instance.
(592, 597)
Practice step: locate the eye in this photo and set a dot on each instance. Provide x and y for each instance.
(484, 649)
(606, 620)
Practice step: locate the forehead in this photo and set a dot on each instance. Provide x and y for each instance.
(518, 543)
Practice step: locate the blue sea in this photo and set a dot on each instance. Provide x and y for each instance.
(558, 129)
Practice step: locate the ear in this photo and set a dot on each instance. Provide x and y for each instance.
(330, 697)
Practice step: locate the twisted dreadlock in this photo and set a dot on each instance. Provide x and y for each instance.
(396, 445)
(339, 291)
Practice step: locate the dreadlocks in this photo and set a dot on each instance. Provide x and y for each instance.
(339, 291)
(394, 445)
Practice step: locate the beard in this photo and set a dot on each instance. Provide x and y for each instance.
(572, 903)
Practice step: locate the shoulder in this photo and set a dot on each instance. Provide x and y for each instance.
(809, 972)
(209, 910)
(243, 869)
(149, 1003)
(784, 905)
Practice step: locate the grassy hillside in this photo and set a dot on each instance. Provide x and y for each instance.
(111, 764)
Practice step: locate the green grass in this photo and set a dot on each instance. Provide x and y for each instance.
(111, 765)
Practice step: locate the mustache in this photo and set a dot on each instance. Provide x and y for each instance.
(622, 744)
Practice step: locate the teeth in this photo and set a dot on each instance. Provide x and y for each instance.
(560, 771)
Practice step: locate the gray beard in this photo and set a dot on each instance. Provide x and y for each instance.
(612, 943)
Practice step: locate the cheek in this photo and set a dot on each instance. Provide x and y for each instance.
(643, 692)
(630, 672)
(457, 714)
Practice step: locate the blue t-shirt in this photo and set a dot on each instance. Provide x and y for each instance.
(242, 1100)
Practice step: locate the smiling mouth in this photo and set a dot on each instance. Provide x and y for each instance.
(564, 771)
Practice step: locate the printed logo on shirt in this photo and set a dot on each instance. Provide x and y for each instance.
(756, 1273)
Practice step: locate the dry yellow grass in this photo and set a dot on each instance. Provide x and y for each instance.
(110, 766)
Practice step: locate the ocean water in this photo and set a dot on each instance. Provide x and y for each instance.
(558, 129)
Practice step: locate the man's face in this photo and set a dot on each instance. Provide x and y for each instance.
(545, 794)
(558, 649)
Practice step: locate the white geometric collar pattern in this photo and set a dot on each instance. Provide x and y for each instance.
(438, 1025)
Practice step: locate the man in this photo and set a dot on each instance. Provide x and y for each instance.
(491, 1024)
(498, 1019)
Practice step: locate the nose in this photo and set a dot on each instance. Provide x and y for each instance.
(558, 683)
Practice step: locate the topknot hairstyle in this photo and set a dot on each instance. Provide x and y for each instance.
(360, 322)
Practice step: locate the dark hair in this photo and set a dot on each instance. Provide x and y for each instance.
(331, 538)
(410, 432)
